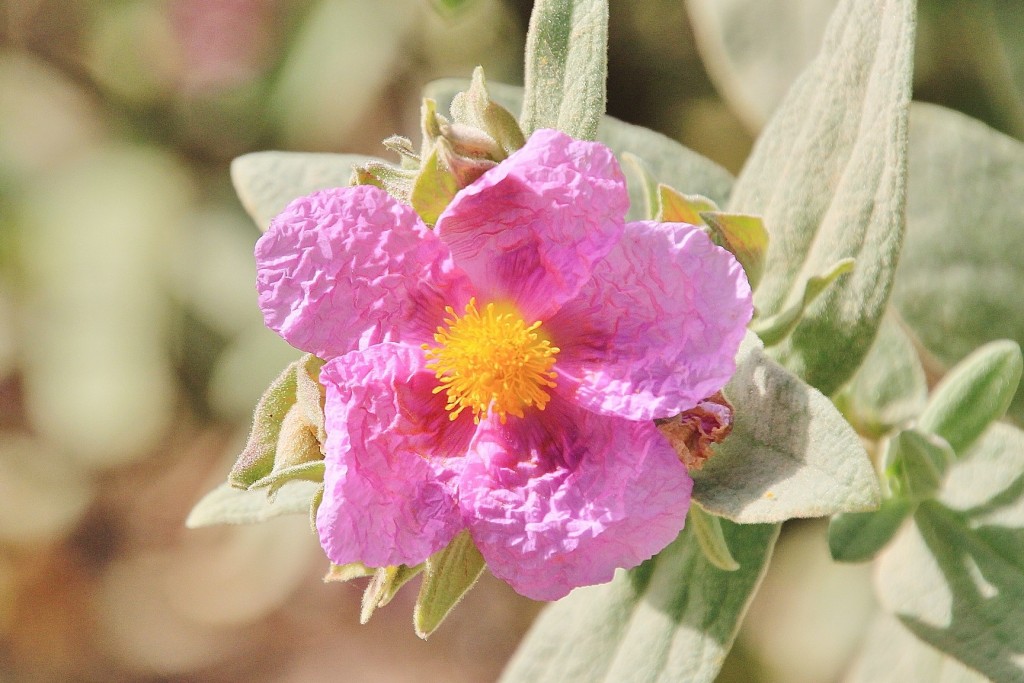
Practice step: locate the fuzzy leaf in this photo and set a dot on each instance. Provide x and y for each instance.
(974, 394)
(892, 654)
(566, 67)
(707, 529)
(449, 575)
(790, 453)
(958, 282)
(916, 464)
(890, 388)
(859, 536)
(257, 458)
(267, 181)
(673, 618)
(955, 577)
(828, 176)
(228, 505)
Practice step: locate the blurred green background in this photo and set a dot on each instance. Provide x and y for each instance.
(132, 351)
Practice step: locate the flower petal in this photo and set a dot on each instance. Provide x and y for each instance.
(657, 328)
(562, 500)
(344, 268)
(390, 459)
(529, 230)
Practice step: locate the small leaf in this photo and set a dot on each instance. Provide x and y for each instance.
(229, 505)
(744, 237)
(434, 188)
(828, 176)
(916, 464)
(955, 577)
(707, 529)
(974, 394)
(566, 67)
(775, 329)
(474, 107)
(676, 207)
(890, 388)
(267, 181)
(859, 536)
(790, 453)
(673, 618)
(449, 575)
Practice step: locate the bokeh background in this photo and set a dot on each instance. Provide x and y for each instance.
(132, 351)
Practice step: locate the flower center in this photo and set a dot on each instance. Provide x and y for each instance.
(491, 360)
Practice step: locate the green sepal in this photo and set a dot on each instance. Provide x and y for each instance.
(465, 169)
(384, 585)
(257, 458)
(916, 464)
(744, 236)
(474, 107)
(859, 536)
(449, 575)
(779, 326)
(402, 146)
(340, 573)
(676, 207)
(707, 529)
(434, 188)
(973, 394)
(314, 505)
(288, 426)
(397, 182)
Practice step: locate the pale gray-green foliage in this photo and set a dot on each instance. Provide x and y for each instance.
(891, 654)
(790, 453)
(955, 576)
(890, 388)
(754, 49)
(228, 505)
(566, 67)
(668, 161)
(267, 181)
(828, 175)
(674, 618)
(959, 278)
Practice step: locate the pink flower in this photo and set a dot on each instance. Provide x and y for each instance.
(502, 372)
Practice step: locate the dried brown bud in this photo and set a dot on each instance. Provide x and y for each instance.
(692, 432)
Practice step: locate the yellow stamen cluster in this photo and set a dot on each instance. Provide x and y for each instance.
(491, 360)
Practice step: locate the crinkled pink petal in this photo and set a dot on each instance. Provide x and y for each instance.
(344, 268)
(392, 458)
(529, 230)
(563, 498)
(657, 328)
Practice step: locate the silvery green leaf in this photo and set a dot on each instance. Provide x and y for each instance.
(974, 394)
(916, 463)
(859, 536)
(828, 177)
(566, 67)
(955, 577)
(228, 505)
(891, 654)
(673, 618)
(790, 453)
(958, 281)
(890, 388)
(267, 181)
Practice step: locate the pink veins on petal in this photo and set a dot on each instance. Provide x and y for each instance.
(501, 373)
